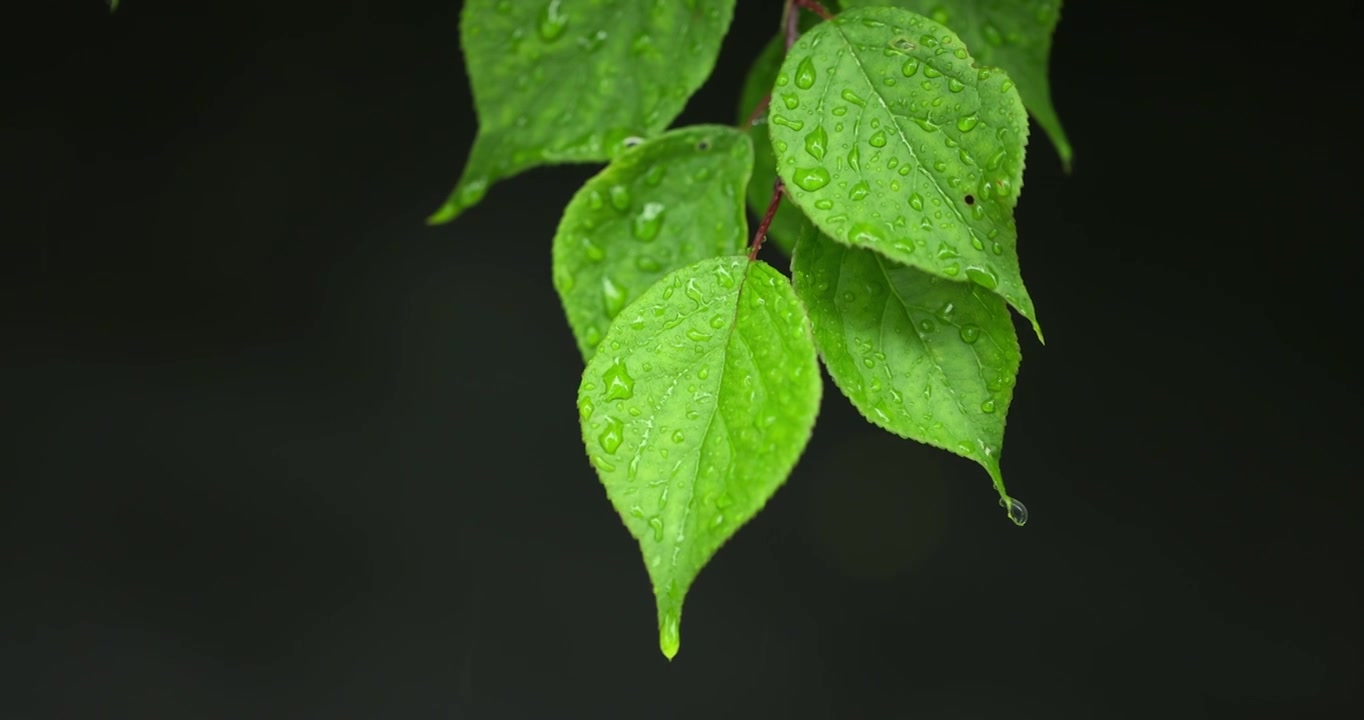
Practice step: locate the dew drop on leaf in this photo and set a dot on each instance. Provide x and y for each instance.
(613, 297)
(982, 277)
(648, 222)
(805, 74)
(812, 179)
(612, 436)
(552, 21)
(816, 142)
(619, 384)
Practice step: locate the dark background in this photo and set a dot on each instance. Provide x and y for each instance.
(275, 449)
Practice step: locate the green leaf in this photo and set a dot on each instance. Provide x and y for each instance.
(1014, 35)
(665, 204)
(113, 5)
(565, 81)
(898, 143)
(926, 358)
(694, 411)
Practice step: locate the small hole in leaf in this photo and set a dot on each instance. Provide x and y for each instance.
(970, 199)
(703, 145)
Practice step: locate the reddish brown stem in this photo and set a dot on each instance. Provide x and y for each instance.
(778, 189)
(792, 24)
(815, 8)
(757, 113)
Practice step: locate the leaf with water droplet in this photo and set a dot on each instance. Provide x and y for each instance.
(548, 78)
(761, 78)
(925, 358)
(1014, 35)
(715, 418)
(658, 218)
(943, 137)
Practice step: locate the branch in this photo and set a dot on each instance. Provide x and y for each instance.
(778, 189)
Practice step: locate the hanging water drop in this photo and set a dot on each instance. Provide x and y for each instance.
(1017, 511)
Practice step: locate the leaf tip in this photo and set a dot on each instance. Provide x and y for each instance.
(1016, 510)
(669, 635)
(445, 214)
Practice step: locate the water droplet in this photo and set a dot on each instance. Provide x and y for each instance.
(611, 437)
(697, 336)
(952, 269)
(552, 21)
(877, 139)
(853, 98)
(970, 334)
(585, 407)
(855, 159)
(1017, 512)
(916, 201)
(619, 384)
(955, 85)
(805, 74)
(903, 44)
(655, 175)
(997, 249)
(812, 179)
(988, 406)
(932, 72)
(724, 501)
(982, 277)
(656, 523)
(678, 436)
(816, 142)
(1006, 86)
(865, 234)
(649, 221)
(592, 250)
(967, 123)
(823, 204)
(927, 326)
(613, 297)
(668, 637)
(925, 124)
(859, 191)
(620, 198)
(595, 201)
(791, 100)
(788, 122)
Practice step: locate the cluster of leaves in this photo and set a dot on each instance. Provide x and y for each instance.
(895, 129)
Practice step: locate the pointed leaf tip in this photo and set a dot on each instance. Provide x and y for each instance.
(669, 635)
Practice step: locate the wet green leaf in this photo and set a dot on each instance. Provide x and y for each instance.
(694, 410)
(896, 142)
(926, 358)
(563, 81)
(662, 205)
(1014, 35)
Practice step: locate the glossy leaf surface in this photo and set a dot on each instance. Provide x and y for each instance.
(695, 409)
(897, 143)
(926, 358)
(1014, 35)
(662, 205)
(562, 81)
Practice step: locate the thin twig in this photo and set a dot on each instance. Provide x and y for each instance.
(815, 8)
(778, 189)
(758, 112)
